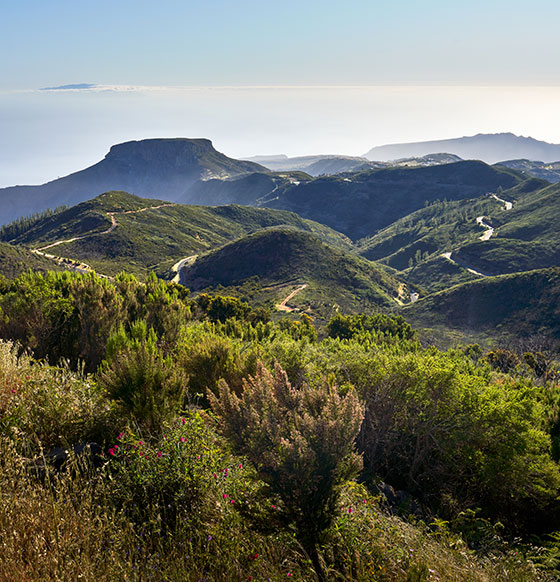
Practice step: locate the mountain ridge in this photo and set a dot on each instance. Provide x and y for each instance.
(263, 263)
(490, 148)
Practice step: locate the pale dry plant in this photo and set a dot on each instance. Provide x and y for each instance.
(11, 365)
(301, 441)
(54, 530)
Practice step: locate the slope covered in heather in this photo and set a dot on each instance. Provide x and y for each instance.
(119, 231)
(266, 265)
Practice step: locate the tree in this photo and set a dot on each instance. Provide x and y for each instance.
(301, 442)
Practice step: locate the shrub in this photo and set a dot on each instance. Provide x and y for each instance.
(221, 308)
(349, 326)
(438, 429)
(168, 477)
(208, 357)
(47, 406)
(146, 384)
(301, 442)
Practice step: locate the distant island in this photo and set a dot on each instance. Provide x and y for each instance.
(69, 87)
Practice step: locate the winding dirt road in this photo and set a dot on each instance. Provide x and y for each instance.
(507, 205)
(488, 233)
(177, 267)
(77, 265)
(283, 305)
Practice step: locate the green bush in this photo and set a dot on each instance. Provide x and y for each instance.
(205, 357)
(146, 384)
(350, 326)
(44, 407)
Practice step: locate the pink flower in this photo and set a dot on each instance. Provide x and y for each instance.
(215, 476)
(232, 501)
(140, 443)
(225, 496)
(182, 439)
(147, 456)
(159, 454)
(240, 466)
(183, 421)
(350, 510)
(274, 507)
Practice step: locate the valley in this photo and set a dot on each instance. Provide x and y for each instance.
(416, 225)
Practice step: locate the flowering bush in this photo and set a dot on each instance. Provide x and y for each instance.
(172, 476)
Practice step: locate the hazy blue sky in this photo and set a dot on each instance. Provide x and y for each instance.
(416, 70)
(237, 42)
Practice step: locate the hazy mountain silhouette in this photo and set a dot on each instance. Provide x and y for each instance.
(323, 165)
(490, 148)
(312, 165)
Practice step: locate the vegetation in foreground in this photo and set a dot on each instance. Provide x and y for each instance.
(231, 448)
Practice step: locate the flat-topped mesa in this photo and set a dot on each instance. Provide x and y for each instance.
(153, 168)
(178, 155)
(156, 148)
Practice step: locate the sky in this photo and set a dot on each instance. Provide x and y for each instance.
(260, 77)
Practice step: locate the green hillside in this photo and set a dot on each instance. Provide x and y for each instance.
(267, 265)
(517, 304)
(524, 237)
(436, 273)
(434, 229)
(360, 204)
(152, 234)
(249, 189)
(15, 260)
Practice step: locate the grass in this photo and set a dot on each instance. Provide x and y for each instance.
(57, 530)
